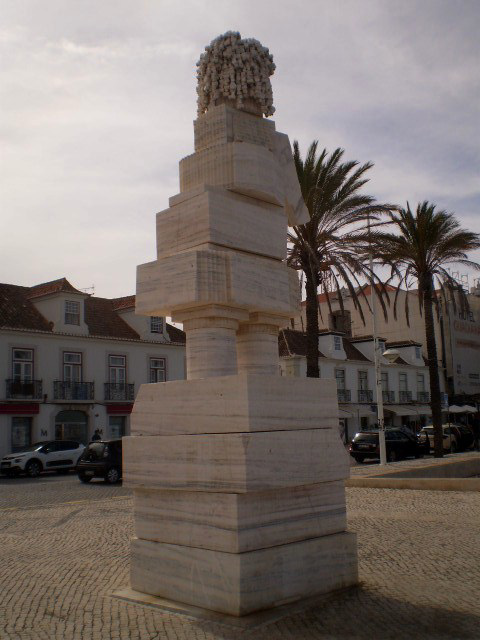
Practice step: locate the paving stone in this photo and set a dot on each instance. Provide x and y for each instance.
(65, 548)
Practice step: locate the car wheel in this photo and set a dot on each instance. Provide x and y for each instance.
(113, 476)
(33, 469)
(84, 479)
(392, 456)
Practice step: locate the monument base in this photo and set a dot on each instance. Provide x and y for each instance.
(248, 622)
(239, 584)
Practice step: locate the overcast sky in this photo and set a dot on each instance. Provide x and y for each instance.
(97, 102)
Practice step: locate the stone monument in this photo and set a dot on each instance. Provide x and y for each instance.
(238, 473)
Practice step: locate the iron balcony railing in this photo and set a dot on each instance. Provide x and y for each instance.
(119, 391)
(344, 395)
(365, 395)
(24, 389)
(405, 396)
(73, 390)
(388, 396)
(423, 396)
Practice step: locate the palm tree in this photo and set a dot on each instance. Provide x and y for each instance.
(426, 243)
(327, 248)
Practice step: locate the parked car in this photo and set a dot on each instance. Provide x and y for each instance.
(399, 444)
(101, 459)
(465, 436)
(53, 455)
(452, 437)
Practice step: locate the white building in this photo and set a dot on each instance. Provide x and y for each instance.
(457, 332)
(405, 378)
(72, 363)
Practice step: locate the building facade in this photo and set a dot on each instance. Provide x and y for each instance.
(72, 363)
(405, 378)
(457, 332)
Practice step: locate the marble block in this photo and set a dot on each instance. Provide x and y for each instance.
(239, 166)
(235, 462)
(228, 404)
(203, 277)
(223, 123)
(241, 583)
(239, 522)
(219, 217)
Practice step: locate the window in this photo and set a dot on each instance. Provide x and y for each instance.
(21, 433)
(340, 378)
(385, 380)
(22, 365)
(157, 370)
(473, 376)
(418, 353)
(72, 367)
(337, 343)
(381, 346)
(403, 384)
(72, 312)
(117, 369)
(363, 380)
(156, 324)
(420, 382)
(117, 426)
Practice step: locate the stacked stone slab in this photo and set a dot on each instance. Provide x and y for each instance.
(237, 472)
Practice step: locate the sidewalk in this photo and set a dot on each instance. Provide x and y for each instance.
(419, 567)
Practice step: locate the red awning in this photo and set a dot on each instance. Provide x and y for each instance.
(17, 409)
(119, 409)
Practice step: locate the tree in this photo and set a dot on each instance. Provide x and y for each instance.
(425, 243)
(327, 248)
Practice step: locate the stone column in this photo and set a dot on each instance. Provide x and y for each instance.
(257, 344)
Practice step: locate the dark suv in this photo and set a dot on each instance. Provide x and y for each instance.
(399, 444)
(101, 459)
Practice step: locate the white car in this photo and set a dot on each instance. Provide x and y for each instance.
(53, 455)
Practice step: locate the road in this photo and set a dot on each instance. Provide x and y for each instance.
(65, 549)
(52, 489)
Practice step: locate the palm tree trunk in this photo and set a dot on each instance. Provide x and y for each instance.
(435, 397)
(311, 312)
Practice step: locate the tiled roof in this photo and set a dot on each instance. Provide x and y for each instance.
(18, 312)
(365, 338)
(291, 342)
(127, 302)
(102, 320)
(176, 335)
(403, 343)
(54, 286)
(352, 352)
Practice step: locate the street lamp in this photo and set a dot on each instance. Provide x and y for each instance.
(376, 360)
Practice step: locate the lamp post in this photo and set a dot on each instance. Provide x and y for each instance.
(376, 360)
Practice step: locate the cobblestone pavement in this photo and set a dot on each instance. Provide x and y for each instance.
(64, 549)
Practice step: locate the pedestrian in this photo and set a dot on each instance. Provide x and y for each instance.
(97, 435)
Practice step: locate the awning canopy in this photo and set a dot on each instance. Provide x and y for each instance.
(465, 408)
(403, 410)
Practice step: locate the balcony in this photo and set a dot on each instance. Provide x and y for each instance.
(73, 390)
(344, 395)
(388, 397)
(365, 395)
(423, 396)
(24, 389)
(119, 391)
(405, 396)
